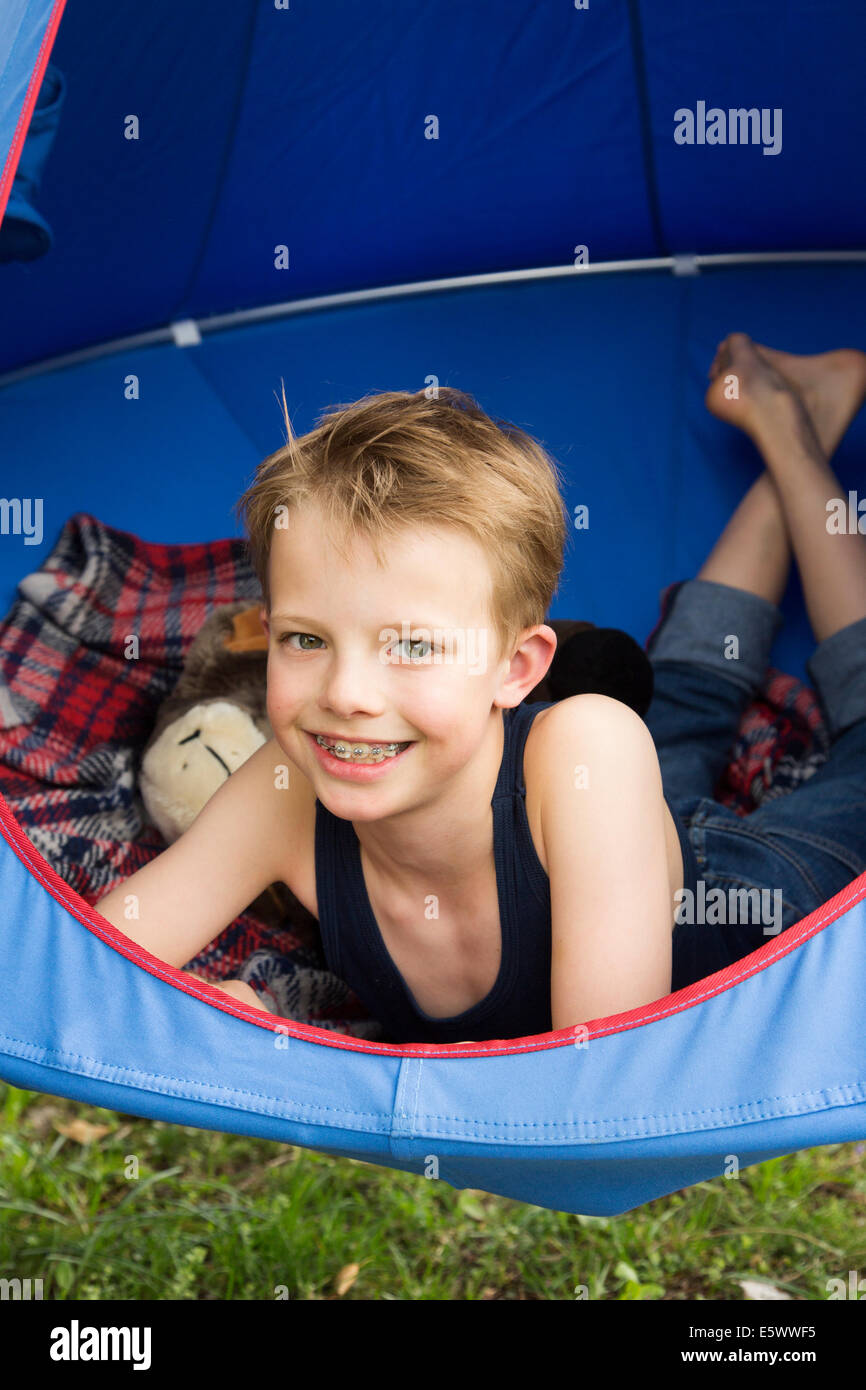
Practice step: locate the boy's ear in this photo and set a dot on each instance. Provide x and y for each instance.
(263, 618)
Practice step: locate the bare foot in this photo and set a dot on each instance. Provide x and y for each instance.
(748, 391)
(832, 386)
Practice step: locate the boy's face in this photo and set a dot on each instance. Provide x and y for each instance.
(400, 654)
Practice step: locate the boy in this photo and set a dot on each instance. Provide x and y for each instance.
(477, 865)
(403, 515)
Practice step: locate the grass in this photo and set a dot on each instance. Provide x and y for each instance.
(118, 1207)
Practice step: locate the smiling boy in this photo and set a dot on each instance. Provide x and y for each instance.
(477, 865)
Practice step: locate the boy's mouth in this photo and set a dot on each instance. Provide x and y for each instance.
(358, 750)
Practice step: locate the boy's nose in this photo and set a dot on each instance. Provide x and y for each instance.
(352, 695)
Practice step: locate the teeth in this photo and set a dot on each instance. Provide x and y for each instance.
(361, 752)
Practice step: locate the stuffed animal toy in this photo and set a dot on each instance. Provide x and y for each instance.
(216, 716)
(214, 719)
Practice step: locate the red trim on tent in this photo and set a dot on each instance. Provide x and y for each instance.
(14, 154)
(671, 1004)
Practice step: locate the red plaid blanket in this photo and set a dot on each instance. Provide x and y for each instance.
(96, 640)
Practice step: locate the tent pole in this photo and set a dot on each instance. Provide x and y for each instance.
(187, 332)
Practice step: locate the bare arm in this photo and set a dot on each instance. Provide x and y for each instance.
(604, 835)
(182, 899)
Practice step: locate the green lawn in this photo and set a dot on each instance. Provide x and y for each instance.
(216, 1216)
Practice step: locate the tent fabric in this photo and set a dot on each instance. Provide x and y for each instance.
(291, 155)
(774, 58)
(645, 1103)
(307, 127)
(28, 29)
(24, 233)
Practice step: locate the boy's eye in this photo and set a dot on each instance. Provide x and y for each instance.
(284, 640)
(286, 637)
(416, 642)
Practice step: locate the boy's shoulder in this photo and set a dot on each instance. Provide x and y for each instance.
(564, 734)
(554, 730)
(584, 711)
(578, 723)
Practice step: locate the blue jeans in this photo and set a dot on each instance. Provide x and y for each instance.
(797, 850)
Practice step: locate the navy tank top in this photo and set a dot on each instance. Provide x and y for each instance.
(518, 1005)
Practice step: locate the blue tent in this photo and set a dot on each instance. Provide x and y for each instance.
(521, 199)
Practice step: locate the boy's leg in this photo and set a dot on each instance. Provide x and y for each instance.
(810, 844)
(753, 552)
(807, 846)
(710, 652)
(694, 719)
(709, 655)
(813, 840)
(771, 410)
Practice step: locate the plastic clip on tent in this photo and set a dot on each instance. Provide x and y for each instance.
(222, 198)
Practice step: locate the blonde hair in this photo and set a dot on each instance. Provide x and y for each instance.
(395, 461)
